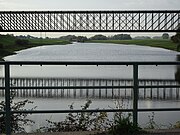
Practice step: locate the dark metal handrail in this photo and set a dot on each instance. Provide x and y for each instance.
(135, 87)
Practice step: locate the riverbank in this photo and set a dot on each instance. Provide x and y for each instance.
(161, 43)
(8, 45)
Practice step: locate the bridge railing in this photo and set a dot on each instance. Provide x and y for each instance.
(135, 86)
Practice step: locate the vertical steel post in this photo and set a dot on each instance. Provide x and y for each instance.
(7, 99)
(135, 93)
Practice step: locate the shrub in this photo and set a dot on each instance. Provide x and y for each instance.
(93, 121)
(21, 42)
(152, 124)
(1, 46)
(84, 121)
(122, 125)
(165, 36)
(177, 125)
(18, 121)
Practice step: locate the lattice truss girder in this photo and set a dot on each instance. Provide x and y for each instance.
(90, 21)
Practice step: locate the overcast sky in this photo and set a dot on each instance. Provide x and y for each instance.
(89, 4)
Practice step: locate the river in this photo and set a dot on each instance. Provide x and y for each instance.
(96, 52)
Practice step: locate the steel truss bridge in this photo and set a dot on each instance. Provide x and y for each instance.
(90, 21)
(87, 21)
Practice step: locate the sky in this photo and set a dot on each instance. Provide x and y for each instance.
(89, 4)
(58, 5)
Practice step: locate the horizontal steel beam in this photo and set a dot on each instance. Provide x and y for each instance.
(94, 110)
(96, 63)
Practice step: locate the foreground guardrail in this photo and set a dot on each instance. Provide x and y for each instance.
(135, 86)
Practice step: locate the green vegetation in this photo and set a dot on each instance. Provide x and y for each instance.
(98, 37)
(121, 124)
(95, 37)
(161, 43)
(73, 38)
(48, 41)
(165, 36)
(18, 121)
(120, 37)
(9, 44)
(177, 125)
(83, 121)
(176, 39)
(114, 37)
(151, 123)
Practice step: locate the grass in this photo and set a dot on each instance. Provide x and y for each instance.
(8, 45)
(38, 42)
(161, 43)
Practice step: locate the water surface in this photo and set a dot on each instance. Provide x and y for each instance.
(96, 52)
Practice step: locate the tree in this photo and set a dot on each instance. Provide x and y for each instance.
(81, 39)
(69, 38)
(22, 42)
(165, 36)
(121, 37)
(142, 37)
(98, 37)
(176, 39)
(1, 46)
(177, 73)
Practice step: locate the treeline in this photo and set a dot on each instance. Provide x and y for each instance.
(163, 36)
(10, 40)
(73, 38)
(96, 37)
(9, 44)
